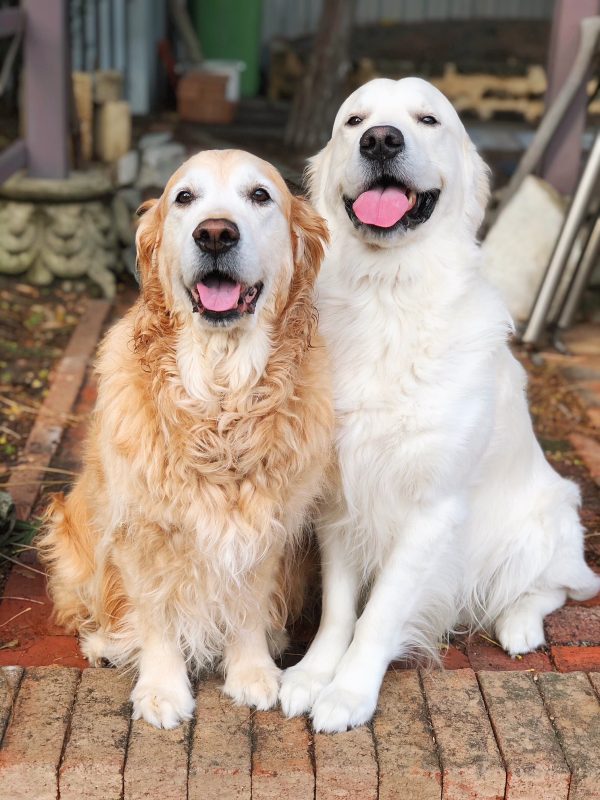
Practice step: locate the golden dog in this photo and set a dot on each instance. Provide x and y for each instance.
(208, 444)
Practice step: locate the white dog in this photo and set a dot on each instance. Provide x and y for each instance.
(446, 511)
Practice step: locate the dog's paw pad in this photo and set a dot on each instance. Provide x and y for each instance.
(162, 707)
(256, 686)
(299, 689)
(337, 709)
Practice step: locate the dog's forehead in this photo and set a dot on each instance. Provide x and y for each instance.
(226, 168)
(383, 96)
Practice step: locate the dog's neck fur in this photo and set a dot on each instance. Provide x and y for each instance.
(212, 363)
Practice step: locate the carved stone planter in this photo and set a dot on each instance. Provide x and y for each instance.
(59, 229)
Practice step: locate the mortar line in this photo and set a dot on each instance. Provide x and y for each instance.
(13, 703)
(495, 733)
(67, 736)
(555, 729)
(431, 726)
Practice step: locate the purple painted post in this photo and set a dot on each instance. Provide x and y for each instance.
(47, 88)
(562, 162)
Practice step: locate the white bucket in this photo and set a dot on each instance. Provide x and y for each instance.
(232, 69)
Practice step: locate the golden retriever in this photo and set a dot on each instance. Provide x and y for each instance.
(208, 443)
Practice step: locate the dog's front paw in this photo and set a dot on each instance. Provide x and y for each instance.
(253, 685)
(299, 689)
(162, 706)
(337, 709)
(521, 632)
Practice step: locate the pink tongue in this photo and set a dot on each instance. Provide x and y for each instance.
(381, 207)
(220, 295)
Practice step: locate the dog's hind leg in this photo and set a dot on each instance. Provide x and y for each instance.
(66, 547)
(520, 629)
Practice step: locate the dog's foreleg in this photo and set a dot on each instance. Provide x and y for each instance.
(301, 684)
(251, 675)
(162, 695)
(415, 562)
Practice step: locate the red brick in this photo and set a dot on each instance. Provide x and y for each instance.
(472, 766)
(591, 603)
(573, 624)
(408, 761)
(33, 742)
(455, 658)
(60, 651)
(486, 656)
(281, 762)
(346, 767)
(157, 761)
(573, 659)
(10, 678)
(27, 618)
(535, 766)
(92, 765)
(221, 754)
(25, 582)
(575, 713)
(589, 452)
(43, 440)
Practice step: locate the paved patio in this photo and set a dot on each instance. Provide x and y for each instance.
(488, 727)
(454, 735)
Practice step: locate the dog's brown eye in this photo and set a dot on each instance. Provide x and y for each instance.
(428, 120)
(354, 120)
(183, 198)
(260, 195)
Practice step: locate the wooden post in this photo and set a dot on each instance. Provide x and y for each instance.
(47, 88)
(562, 162)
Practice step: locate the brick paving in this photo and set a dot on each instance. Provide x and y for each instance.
(488, 727)
(451, 735)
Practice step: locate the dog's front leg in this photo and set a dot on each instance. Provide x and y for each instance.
(416, 560)
(251, 676)
(162, 695)
(302, 683)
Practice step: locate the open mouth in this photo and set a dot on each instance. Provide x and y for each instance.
(221, 299)
(388, 205)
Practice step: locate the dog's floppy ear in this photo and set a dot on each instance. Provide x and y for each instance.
(476, 183)
(317, 172)
(147, 237)
(309, 237)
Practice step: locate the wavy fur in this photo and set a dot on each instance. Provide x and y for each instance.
(175, 533)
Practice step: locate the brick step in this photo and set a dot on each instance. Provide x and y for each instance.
(445, 735)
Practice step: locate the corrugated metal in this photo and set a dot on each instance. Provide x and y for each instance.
(300, 17)
(123, 35)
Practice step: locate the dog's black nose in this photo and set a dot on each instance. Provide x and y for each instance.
(381, 143)
(216, 236)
